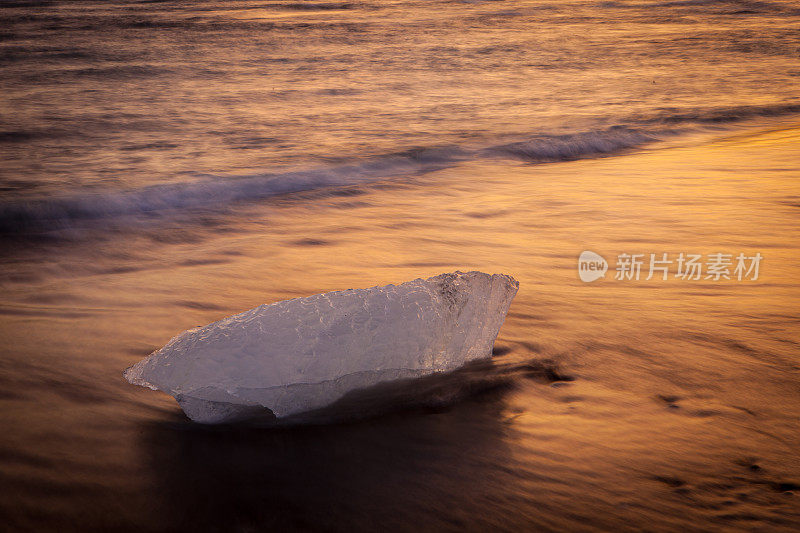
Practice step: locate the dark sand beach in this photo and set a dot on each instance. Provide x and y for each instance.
(624, 405)
(681, 407)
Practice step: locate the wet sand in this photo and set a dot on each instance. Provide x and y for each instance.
(682, 408)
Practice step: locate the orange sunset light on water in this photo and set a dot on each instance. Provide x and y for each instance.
(165, 165)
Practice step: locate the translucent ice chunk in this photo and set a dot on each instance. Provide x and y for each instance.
(299, 355)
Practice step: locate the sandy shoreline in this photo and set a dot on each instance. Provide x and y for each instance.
(684, 408)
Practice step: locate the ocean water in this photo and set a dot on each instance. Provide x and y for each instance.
(138, 109)
(166, 164)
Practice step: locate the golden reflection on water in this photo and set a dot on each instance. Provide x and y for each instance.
(679, 386)
(684, 410)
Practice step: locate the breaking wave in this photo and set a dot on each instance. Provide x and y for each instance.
(577, 146)
(218, 193)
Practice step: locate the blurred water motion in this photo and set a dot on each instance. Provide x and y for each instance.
(166, 164)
